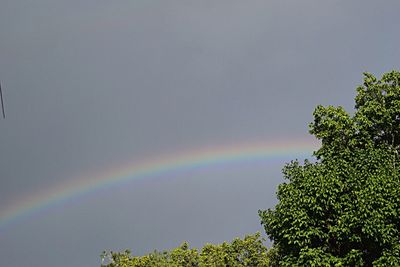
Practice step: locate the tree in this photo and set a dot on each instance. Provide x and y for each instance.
(249, 251)
(343, 209)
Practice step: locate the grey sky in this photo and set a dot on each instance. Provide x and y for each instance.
(90, 84)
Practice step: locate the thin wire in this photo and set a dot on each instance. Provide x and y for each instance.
(2, 104)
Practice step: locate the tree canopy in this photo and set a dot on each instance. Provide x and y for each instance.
(343, 209)
(249, 251)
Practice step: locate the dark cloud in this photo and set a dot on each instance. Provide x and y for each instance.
(90, 84)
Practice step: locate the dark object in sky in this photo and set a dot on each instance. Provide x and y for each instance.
(2, 103)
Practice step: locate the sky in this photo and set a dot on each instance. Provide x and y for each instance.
(95, 87)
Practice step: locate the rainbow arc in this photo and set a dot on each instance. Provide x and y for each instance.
(158, 167)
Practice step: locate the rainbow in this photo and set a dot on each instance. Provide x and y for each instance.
(156, 167)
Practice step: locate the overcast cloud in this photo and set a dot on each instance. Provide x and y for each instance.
(93, 84)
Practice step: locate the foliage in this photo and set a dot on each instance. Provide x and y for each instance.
(249, 251)
(344, 208)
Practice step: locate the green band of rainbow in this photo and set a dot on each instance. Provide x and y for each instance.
(194, 159)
